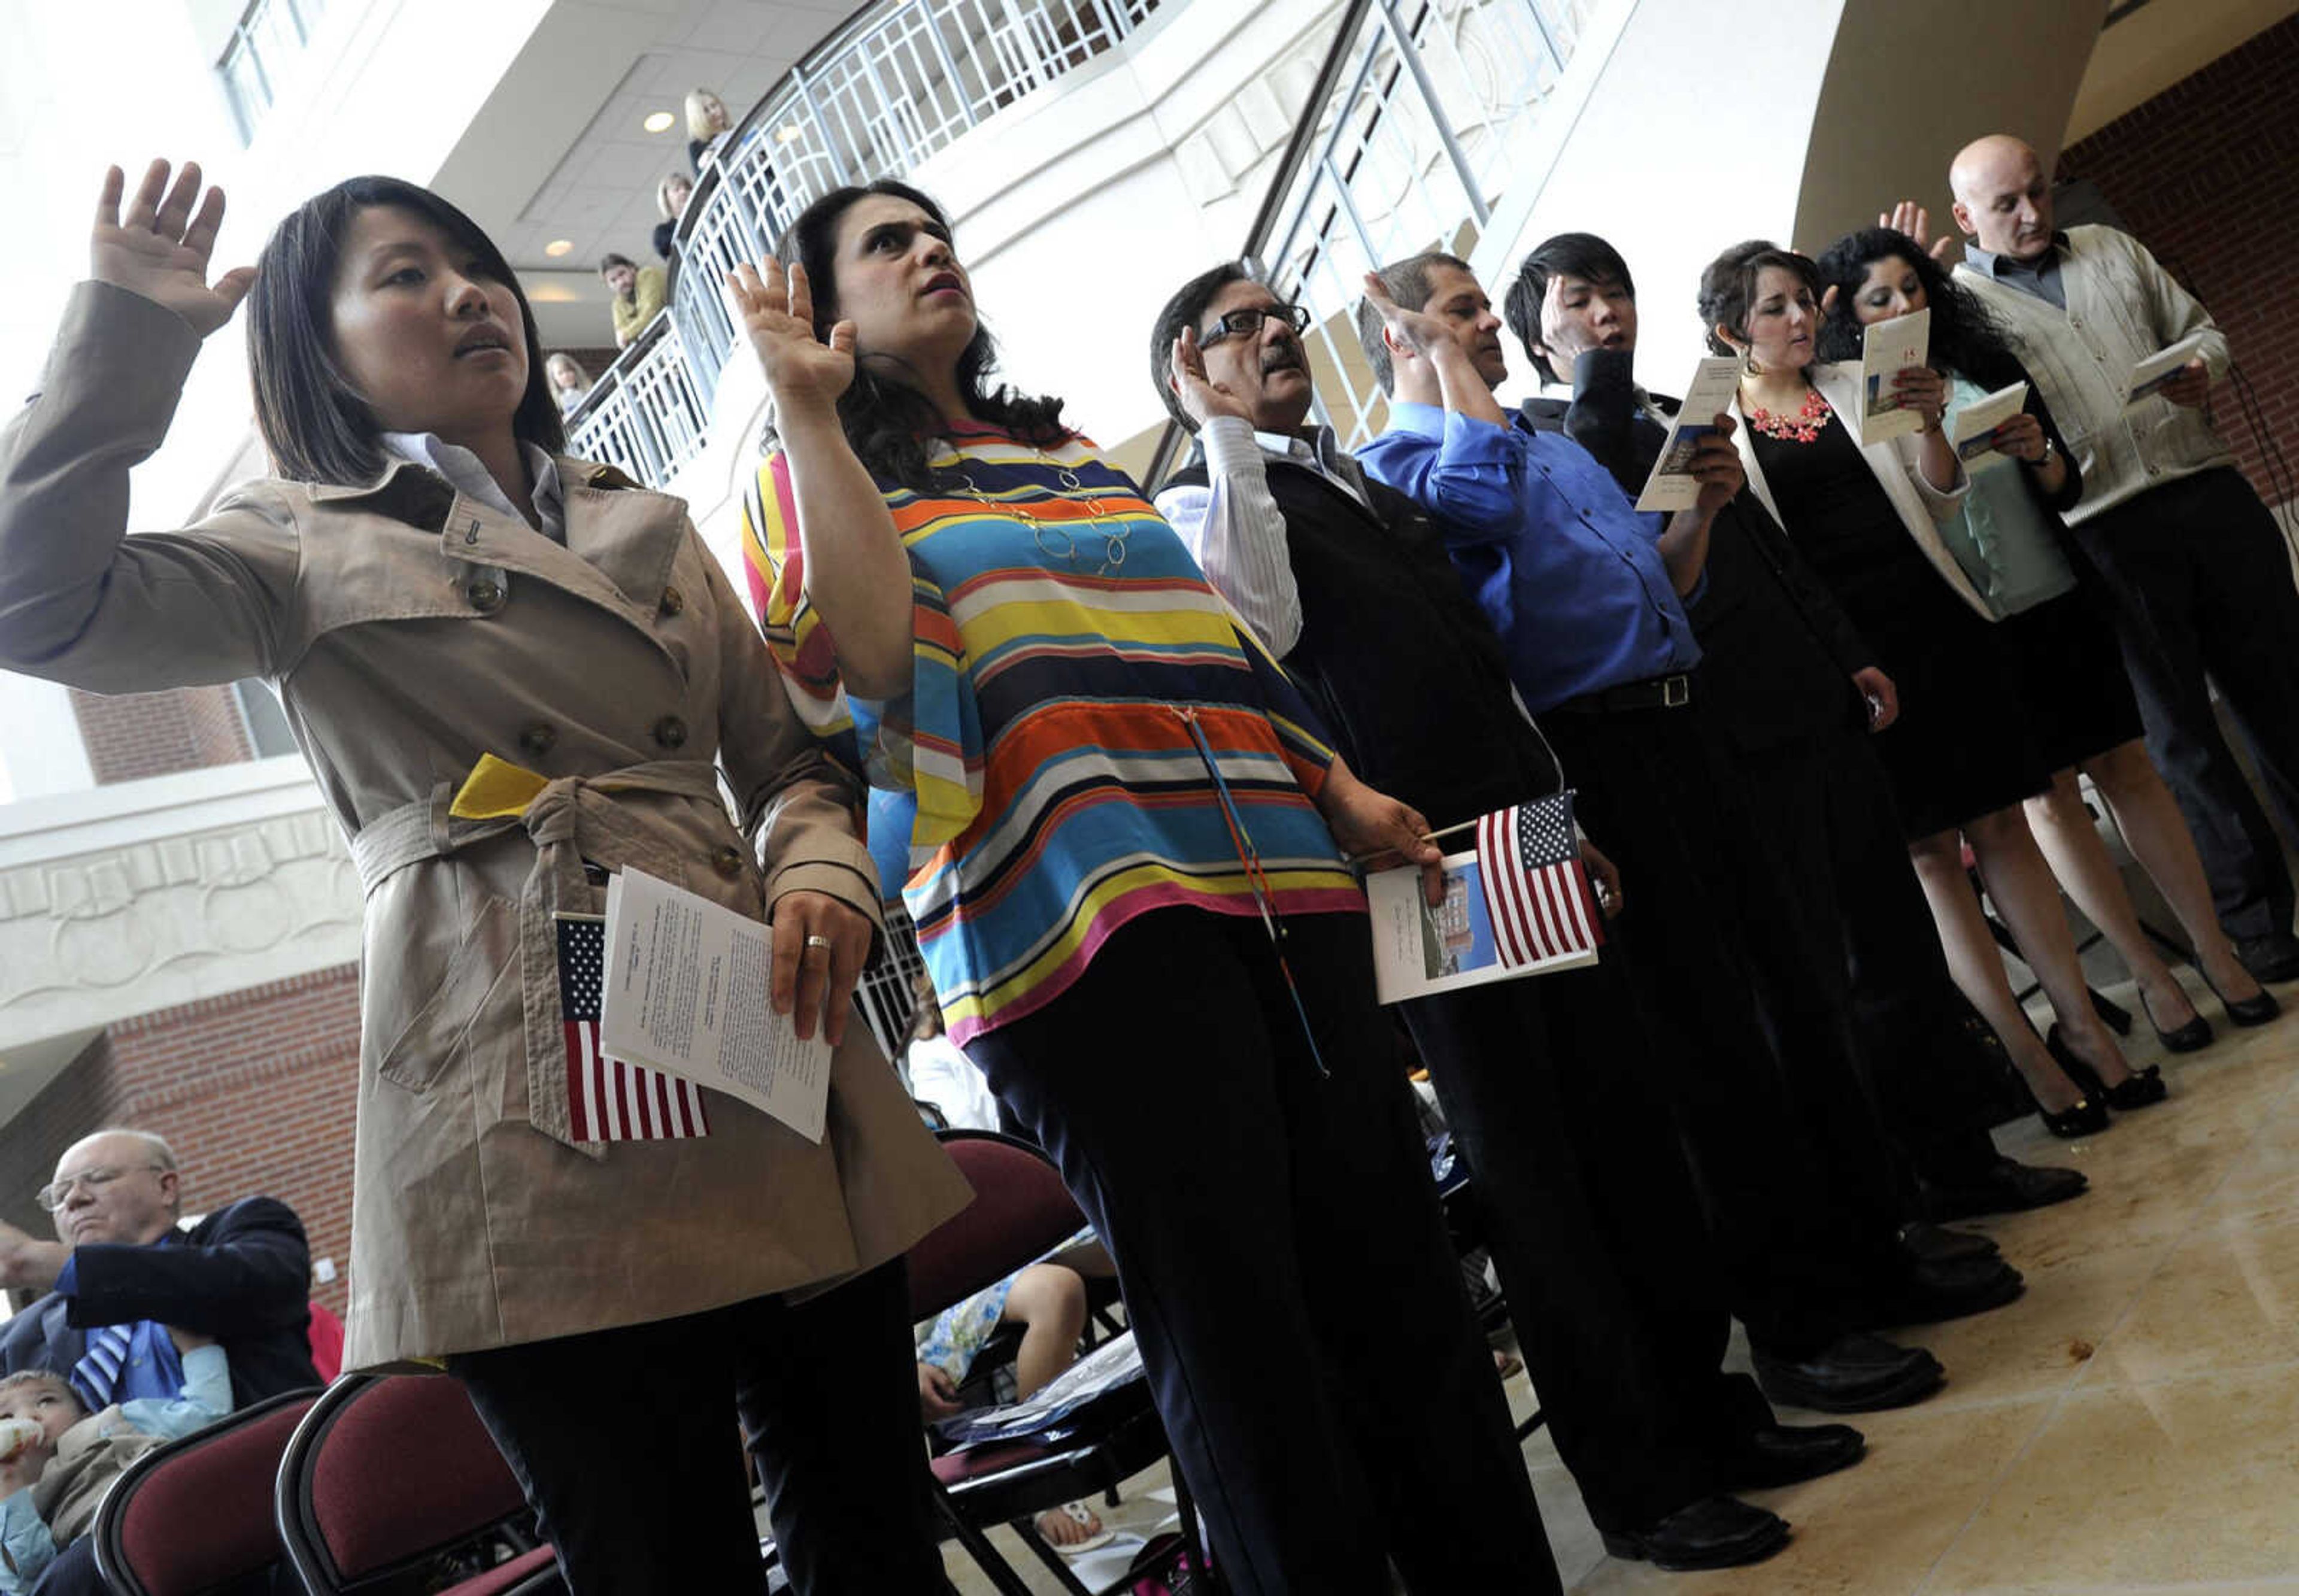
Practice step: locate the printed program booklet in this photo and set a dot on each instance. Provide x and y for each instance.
(1887, 349)
(1671, 486)
(1972, 429)
(686, 993)
(1418, 950)
(2162, 366)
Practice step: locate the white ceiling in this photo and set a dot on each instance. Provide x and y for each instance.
(559, 152)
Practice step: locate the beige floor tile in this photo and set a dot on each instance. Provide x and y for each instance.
(1876, 1527)
(2166, 1484)
(2227, 1298)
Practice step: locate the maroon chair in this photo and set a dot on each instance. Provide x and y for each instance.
(195, 1516)
(388, 1472)
(1020, 1212)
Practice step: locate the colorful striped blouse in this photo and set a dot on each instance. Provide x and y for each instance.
(1067, 649)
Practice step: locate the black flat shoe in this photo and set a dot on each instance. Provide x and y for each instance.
(1789, 1454)
(2145, 1089)
(1853, 1373)
(2263, 1010)
(1716, 1532)
(2192, 1037)
(2007, 1188)
(1926, 1242)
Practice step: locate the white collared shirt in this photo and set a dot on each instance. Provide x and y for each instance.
(467, 476)
(1234, 529)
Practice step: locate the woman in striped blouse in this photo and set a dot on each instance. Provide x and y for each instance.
(1127, 889)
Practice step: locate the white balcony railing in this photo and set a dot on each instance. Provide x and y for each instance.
(899, 82)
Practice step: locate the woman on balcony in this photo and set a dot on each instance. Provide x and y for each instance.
(1129, 896)
(511, 673)
(2049, 603)
(1962, 755)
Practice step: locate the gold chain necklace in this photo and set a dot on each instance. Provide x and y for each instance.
(1113, 531)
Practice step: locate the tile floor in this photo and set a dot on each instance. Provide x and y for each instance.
(2130, 1423)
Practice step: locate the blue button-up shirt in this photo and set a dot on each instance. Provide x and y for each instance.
(1548, 545)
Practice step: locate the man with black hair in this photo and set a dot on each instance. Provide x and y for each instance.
(1579, 1175)
(2200, 571)
(1797, 693)
(1588, 597)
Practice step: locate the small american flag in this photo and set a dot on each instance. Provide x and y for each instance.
(1536, 891)
(608, 1100)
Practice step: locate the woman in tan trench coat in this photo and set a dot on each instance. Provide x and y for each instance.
(605, 1303)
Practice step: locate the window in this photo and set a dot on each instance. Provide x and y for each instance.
(268, 35)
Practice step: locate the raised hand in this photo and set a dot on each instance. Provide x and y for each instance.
(159, 249)
(1912, 219)
(1202, 398)
(777, 312)
(1716, 466)
(1924, 390)
(1416, 331)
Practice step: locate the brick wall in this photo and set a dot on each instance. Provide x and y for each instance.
(256, 1092)
(135, 735)
(2202, 174)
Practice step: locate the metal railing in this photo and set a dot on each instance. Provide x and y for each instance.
(1406, 144)
(893, 86)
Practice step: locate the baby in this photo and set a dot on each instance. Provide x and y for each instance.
(57, 1459)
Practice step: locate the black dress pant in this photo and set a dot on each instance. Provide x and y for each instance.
(1590, 1214)
(1835, 843)
(2203, 587)
(1790, 1156)
(626, 1445)
(1284, 1260)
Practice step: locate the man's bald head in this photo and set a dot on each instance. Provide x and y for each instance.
(119, 1186)
(2003, 196)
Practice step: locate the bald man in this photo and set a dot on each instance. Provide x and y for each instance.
(2196, 562)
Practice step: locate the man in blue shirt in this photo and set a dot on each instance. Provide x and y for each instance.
(1588, 597)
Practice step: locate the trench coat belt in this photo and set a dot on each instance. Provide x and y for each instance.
(424, 829)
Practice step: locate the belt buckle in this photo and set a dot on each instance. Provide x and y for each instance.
(1675, 692)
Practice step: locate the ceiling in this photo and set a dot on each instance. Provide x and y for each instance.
(560, 151)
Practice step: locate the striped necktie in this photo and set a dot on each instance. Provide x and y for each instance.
(96, 1375)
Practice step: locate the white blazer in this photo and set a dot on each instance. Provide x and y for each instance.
(1897, 464)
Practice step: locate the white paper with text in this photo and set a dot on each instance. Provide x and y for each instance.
(686, 992)
(1671, 484)
(1887, 349)
(2162, 366)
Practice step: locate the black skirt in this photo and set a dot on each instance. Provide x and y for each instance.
(2080, 700)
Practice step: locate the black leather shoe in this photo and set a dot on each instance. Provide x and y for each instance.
(1931, 1292)
(2007, 1188)
(2142, 1089)
(2190, 1038)
(1716, 1532)
(1786, 1454)
(1853, 1373)
(2272, 958)
(1924, 1243)
(2263, 1010)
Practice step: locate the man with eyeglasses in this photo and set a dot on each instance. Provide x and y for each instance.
(121, 1271)
(1579, 1182)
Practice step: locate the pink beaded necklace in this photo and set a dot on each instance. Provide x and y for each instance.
(1802, 427)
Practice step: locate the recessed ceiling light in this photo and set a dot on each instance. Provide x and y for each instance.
(789, 133)
(657, 120)
(558, 246)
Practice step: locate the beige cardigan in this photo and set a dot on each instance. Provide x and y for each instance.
(1896, 462)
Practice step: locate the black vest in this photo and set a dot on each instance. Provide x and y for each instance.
(1399, 661)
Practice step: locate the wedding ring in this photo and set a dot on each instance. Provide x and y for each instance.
(813, 943)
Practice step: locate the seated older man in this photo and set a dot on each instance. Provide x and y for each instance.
(122, 1271)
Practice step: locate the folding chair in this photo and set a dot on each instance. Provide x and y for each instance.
(386, 1476)
(1020, 1210)
(195, 1516)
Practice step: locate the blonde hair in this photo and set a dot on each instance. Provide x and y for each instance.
(662, 202)
(702, 123)
(563, 358)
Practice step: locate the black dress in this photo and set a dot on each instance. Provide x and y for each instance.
(1962, 747)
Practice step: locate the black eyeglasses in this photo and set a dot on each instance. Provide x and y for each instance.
(1244, 323)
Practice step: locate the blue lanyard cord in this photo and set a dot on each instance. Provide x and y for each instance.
(1257, 880)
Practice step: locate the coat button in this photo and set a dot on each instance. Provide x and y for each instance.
(485, 594)
(539, 739)
(671, 732)
(673, 601)
(727, 862)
